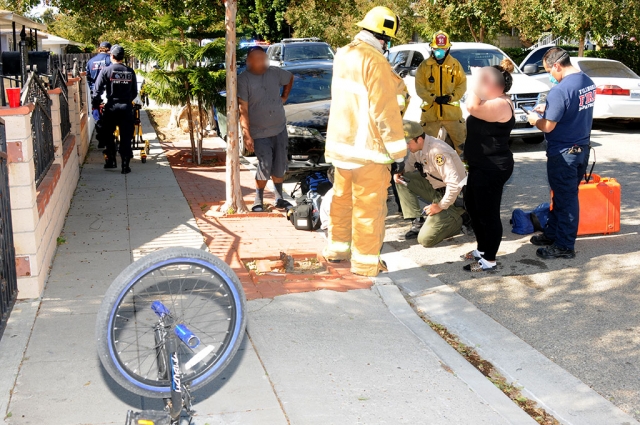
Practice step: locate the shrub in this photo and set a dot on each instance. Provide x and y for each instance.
(625, 51)
(517, 54)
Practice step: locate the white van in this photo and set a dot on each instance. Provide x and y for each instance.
(526, 91)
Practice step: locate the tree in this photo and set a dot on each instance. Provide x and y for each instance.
(267, 17)
(334, 21)
(234, 202)
(180, 79)
(464, 20)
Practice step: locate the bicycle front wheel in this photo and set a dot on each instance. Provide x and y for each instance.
(200, 292)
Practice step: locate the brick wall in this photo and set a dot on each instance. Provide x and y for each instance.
(38, 213)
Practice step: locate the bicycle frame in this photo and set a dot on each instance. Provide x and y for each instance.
(167, 341)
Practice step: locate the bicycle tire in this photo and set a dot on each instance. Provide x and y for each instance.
(124, 283)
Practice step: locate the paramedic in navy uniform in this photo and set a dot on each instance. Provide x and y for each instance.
(119, 81)
(97, 63)
(566, 122)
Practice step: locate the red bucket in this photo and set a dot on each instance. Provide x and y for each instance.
(13, 95)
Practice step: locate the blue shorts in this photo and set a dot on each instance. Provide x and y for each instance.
(272, 153)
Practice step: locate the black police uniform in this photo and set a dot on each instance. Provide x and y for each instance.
(95, 65)
(120, 83)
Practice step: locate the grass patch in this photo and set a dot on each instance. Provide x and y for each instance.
(488, 370)
(61, 240)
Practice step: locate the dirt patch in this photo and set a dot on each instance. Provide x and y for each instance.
(488, 370)
(288, 264)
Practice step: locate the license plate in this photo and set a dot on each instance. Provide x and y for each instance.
(635, 94)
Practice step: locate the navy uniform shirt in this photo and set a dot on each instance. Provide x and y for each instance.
(95, 65)
(119, 81)
(570, 105)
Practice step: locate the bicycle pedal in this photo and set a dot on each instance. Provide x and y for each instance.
(148, 417)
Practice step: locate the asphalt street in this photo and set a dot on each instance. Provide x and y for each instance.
(580, 313)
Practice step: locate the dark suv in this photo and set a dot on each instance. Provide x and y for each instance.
(292, 50)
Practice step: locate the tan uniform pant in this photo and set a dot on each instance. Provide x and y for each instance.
(358, 212)
(457, 131)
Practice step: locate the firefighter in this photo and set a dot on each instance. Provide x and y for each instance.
(365, 141)
(439, 178)
(119, 82)
(440, 83)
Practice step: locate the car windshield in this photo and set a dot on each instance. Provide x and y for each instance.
(310, 84)
(480, 58)
(600, 69)
(304, 52)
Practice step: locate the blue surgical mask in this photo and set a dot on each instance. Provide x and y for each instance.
(553, 79)
(439, 54)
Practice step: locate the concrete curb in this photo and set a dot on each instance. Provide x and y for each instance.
(450, 358)
(561, 394)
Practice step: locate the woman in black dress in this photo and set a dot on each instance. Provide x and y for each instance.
(490, 160)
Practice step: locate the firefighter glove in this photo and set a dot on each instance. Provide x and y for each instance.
(442, 100)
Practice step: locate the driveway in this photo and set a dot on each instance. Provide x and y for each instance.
(581, 313)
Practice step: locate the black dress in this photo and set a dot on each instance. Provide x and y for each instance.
(490, 160)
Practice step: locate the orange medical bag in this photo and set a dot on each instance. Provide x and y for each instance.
(599, 206)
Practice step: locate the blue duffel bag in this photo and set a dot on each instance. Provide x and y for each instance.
(527, 222)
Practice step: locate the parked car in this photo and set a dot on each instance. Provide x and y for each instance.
(307, 111)
(292, 50)
(525, 90)
(617, 86)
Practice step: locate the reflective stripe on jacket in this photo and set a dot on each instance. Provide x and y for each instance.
(365, 125)
(448, 79)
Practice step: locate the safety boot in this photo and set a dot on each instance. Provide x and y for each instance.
(125, 165)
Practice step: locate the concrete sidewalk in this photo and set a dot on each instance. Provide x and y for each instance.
(311, 358)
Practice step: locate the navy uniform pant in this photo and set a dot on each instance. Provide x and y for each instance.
(565, 171)
(120, 115)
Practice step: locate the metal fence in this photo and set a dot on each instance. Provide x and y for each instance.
(8, 279)
(59, 81)
(41, 125)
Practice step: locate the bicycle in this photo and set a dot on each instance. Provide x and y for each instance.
(168, 325)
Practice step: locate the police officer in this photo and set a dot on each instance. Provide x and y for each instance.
(119, 81)
(439, 178)
(97, 63)
(440, 83)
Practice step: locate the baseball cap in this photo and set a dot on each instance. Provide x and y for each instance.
(105, 44)
(118, 52)
(411, 130)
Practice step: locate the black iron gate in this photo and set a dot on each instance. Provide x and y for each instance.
(8, 279)
(60, 82)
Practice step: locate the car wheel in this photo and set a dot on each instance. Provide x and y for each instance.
(533, 140)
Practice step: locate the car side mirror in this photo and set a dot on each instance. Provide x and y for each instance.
(413, 72)
(530, 69)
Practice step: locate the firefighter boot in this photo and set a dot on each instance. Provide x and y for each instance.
(125, 165)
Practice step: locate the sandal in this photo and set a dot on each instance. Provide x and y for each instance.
(470, 256)
(281, 203)
(476, 267)
(257, 208)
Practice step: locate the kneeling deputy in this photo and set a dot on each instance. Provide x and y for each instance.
(439, 178)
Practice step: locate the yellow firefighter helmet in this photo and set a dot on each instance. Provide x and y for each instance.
(440, 41)
(381, 20)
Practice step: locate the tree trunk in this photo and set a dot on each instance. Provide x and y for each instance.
(194, 156)
(234, 202)
(482, 33)
(200, 131)
(581, 45)
(473, 33)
